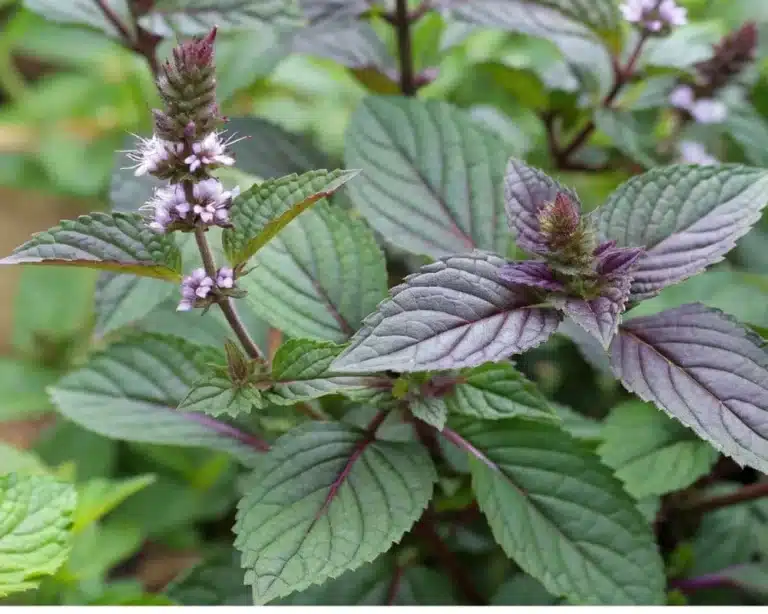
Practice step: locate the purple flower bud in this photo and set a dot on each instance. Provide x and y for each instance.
(695, 153)
(559, 220)
(195, 288)
(225, 278)
(654, 15)
(533, 273)
(617, 260)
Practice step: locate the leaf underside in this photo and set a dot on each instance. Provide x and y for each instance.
(454, 313)
(686, 218)
(704, 369)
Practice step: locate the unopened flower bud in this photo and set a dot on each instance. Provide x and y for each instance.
(188, 87)
(731, 56)
(559, 220)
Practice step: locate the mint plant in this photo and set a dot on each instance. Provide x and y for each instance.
(393, 445)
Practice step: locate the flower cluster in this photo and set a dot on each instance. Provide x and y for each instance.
(589, 281)
(172, 208)
(702, 110)
(184, 150)
(654, 16)
(186, 146)
(200, 290)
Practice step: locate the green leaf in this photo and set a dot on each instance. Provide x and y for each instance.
(728, 536)
(215, 394)
(577, 425)
(566, 28)
(119, 242)
(14, 460)
(35, 514)
(272, 151)
(629, 134)
(651, 453)
(319, 277)
(53, 303)
(686, 218)
(417, 198)
(124, 299)
(562, 516)
(733, 292)
(131, 391)
(23, 387)
(382, 582)
(301, 372)
(522, 589)
(85, 12)
(431, 410)
(325, 499)
(209, 328)
(216, 581)
(495, 391)
(263, 211)
(749, 129)
(99, 496)
(99, 548)
(354, 44)
(192, 17)
(67, 442)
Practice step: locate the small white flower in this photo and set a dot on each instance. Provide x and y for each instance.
(195, 286)
(709, 111)
(654, 15)
(152, 155)
(212, 201)
(168, 205)
(672, 14)
(212, 150)
(682, 97)
(225, 277)
(695, 153)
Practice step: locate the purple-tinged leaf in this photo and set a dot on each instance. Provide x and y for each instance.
(617, 260)
(703, 369)
(526, 191)
(687, 217)
(535, 274)
(456, 312)
(598, 316)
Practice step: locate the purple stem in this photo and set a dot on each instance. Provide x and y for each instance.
(462, 443)
(229, 431)
(704, 581)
